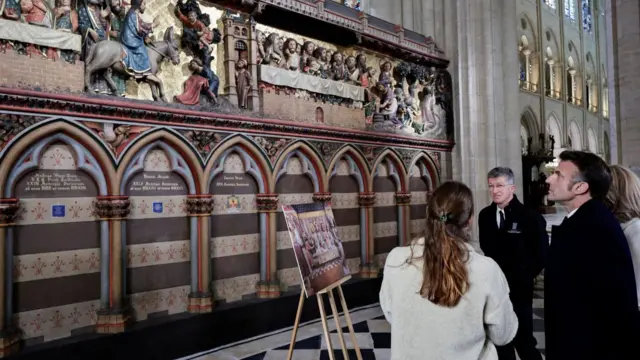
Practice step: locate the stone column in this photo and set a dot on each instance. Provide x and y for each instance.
(480, 43)
(9, 336)
(403, 200)
(527, 74)
(589, 101)
(268, 286)
(572, 77)
(369, 269)
(113, 315)
(199, 208)
(552, 78)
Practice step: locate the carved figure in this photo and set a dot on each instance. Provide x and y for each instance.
(243, 83)
(11, 9)
(115, 135)
(37, 12)
(196, 35)
(273, 50)
(444, 97)
(353, 73)
(388, 102)
(133, 36)
(203, 80)
(261, 54)
(116, 23)
(291, 54)
(338, 69)
(65, 19)
(306, 52)
(385, 72)
(93, 23)
(107, 55)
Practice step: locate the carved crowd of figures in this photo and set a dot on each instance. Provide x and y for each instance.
(408, 97)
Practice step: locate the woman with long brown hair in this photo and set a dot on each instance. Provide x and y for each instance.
(445, 301)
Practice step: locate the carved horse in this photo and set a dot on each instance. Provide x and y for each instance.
(106, 56)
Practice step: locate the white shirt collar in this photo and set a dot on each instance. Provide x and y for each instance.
(572, 212)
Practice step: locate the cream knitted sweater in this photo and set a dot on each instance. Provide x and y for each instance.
(421, 330)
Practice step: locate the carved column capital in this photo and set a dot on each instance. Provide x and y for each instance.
(267, 202)
(320, 6)
(403, 198)
(9, 210)
(366, 199)
(199, 205)
(322, 197)
(112, 207)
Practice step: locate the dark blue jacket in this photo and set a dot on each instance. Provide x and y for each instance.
(591, 308)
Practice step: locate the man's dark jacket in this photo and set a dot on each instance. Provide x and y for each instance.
(591, 307)
(520, 248)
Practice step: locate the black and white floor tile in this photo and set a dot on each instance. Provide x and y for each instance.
(373, 335)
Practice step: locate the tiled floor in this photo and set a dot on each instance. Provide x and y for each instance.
(373, 335)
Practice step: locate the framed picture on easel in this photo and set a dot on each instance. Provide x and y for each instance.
(316, 245)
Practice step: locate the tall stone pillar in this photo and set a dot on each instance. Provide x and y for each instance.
(9, 336)
(484, 64)
(623, 54)
(199, 208)
(268, 286)
(367, 200)
(113, 315)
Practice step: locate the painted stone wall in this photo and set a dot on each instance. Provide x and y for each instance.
(192, 217)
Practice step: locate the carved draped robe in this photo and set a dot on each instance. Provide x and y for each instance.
(135, 30)
(67, 22)
(89, 19)
(36, 12)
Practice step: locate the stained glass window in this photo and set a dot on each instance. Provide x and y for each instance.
(587, 24)
(550, 3)
(570, 9)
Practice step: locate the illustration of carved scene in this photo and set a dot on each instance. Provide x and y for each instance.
(191, 53)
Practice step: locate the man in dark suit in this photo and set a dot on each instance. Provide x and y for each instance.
(591, 309)
(516, 238)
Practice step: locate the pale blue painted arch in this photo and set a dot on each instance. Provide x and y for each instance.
(307, 169)
(393, 173)
(354, 170)
(250, 166)
(176, 161)
(150, 131)
(30, 160)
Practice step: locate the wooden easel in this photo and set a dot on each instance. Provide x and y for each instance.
(323, 317)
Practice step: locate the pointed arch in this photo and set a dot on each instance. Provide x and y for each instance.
(592, 140)
(576, 135)
(314, 166)
(529, 119)
(428, 169)
(184, 160)
(398, 172)
(357, 161)
(528, 30)
(253, 157)
(95, 158)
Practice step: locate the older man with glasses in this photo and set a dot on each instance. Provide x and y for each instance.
(516, 238)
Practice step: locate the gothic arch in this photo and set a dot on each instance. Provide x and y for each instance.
(530, 121)
(311, 160)
(427, 167)
(592, 140)
(553, 128)
(184, 161)
(576, 136)
(67, 132)
(253, 158)
(356, 159)
(400, 172)
(552, 48)
(528, 30)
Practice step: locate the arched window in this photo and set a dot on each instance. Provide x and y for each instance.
(586, 16)
(570, 9)
(550, 3)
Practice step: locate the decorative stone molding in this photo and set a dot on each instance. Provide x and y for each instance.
(366, 199)
(322, 197)
(267, 202)
(268, 289)
(112, 321)
(112, 207)
(200, 303)
(9, 211)
(199, 205)
(403, 198)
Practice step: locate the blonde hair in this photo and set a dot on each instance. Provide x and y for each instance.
(623, 197)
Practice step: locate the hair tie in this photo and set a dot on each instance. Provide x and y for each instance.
(444, 217)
